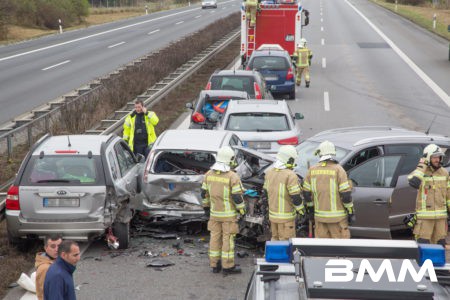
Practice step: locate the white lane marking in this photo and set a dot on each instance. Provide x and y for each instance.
(115, 45)
(324, 62)
(54, 66)
(154, 31)
(224, 7)
(322, 42)
(321, 13)
(178, 23)
(96, 34)
(197, 16)
(438, 91)
(326, 101)
(213, 11)
(321, 28)
(321, 19)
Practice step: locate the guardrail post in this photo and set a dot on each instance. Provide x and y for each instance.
(60, 26)
(10, 147)
(396, 2)
(434, 21)
(146, 10)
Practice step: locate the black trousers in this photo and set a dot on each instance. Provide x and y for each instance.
(142, 149)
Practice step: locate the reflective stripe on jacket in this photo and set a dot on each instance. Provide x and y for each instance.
(219, 187)
(433, 196)
(151, 120)
(326, 181)
(280, 185)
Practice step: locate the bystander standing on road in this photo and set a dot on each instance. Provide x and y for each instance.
(44, 261)
(58, 283)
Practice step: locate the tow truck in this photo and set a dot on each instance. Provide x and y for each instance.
(304, 268)
(276, 23)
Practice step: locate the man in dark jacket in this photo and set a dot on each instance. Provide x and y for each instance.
(58, 283)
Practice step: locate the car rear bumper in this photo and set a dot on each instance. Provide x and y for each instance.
(18, 227)
(286, 87)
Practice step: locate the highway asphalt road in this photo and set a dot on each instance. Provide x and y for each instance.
(35, 72)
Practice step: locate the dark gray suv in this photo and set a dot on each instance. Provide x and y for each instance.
(377, 160)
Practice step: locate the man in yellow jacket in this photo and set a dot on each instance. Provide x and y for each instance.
(222, 200)
(139, 128)
(44, 260)
(302, 56)
(283, 190)
(433, 197)
(251, 7)
(327, 193)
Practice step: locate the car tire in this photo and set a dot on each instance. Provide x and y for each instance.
(292, 95)
(122, 232)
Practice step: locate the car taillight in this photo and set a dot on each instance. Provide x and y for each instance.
(208, 86)
(290, 74)
(12, 198)
(198, 117)
(289, 141)
(257, 91)
(247, 68)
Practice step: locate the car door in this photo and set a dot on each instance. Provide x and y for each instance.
(372, 188)
(127, 177)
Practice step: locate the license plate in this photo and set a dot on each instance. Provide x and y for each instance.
(271, 78)
(259, 145)
(61, 202)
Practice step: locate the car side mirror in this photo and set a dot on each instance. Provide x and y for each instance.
(299, 116)
(140, 158)
(189, 105)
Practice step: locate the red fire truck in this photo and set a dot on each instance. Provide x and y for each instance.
(276, 23)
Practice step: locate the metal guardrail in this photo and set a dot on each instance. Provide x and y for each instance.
(2, 206)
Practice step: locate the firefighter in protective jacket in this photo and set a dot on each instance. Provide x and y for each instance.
(302, 56)
(327, 192)
(223, 202)
(433, 197)
(282, 187)
(139, 128)
(251, 7)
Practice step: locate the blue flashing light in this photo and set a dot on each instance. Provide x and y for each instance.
(436, 253)
(278, 251)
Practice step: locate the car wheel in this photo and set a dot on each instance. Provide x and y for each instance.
(122, 232)
(292, 95)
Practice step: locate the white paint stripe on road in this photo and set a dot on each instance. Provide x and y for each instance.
(321, 28)
(324, 62)
(326, 101)
(178, 23)
(439, 92)
(115, 45)
(322, 42)
(197, 16)
(54, 66)
(98, 34)
(321, 19)
(152, 32)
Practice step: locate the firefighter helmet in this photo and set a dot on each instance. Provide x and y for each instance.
(303, 43)
(326, 150)
(432, 150)
(225, 155)
(287, 154)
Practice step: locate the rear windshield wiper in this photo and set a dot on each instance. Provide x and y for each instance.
(265, 130)
(56, 180)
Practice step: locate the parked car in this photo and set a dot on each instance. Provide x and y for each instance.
(209, 3)
(378, 160)
(78, 186)
(262, 125)
(251, 82)
(276, 66)
(210, 106)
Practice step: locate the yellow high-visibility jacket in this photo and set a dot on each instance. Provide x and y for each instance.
(151, 120)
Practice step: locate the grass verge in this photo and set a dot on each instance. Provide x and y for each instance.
(422, 16)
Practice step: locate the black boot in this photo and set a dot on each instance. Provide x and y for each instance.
(233, 270)
(217, 268)
(307, 84)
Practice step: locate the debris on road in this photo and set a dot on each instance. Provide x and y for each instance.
(160, 262)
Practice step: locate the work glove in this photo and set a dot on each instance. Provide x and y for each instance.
(410, 220)
(310, 213)
(300, 210)
(242, 211)
(251, 193)
(207, 211)
(351, 218)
